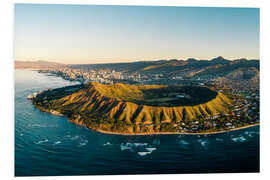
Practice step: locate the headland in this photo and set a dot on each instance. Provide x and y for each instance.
(141, 109)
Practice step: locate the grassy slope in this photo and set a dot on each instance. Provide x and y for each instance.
(99, 109)
(124, 92)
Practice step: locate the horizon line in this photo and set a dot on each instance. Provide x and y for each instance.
(133, 61)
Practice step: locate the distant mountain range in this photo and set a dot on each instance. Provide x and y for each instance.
(36, 64)
(187, 68)
(239, 69)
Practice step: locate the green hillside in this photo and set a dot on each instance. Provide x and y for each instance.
(121, 108)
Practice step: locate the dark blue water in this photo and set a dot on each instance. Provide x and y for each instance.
(49, 145)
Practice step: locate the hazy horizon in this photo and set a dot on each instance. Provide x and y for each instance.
(94, 34)
(127, 61)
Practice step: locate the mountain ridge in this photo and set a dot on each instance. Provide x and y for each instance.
(215, 68)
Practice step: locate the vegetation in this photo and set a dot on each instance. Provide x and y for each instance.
(120, 108)
(157, 95)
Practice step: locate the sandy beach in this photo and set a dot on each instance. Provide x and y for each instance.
(180, 133)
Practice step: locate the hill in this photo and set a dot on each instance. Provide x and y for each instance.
(134, 109)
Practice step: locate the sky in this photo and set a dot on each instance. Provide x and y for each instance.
(87, 34)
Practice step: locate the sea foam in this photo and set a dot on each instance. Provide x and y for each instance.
(203, 142)
(239, 139)
(75, 137)
(107, 144)
(82, 143)
(143, 153)
(183, 142)
(57, 142)
(140, 144)
(151, 149)
(39, 142)
(125, 147)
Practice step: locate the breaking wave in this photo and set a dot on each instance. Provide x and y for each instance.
(83, 143)
(203, 142)
(183, 142)
(39, 142)
(75, 137)
(143, 153)
(151, 149)
(57, 142)
(239, 139)
(107, 144)
(141, 149)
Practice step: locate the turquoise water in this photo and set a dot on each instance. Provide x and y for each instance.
(47, 145)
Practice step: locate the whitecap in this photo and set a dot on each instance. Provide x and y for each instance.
(140, 144)
(239, 139)
(126, 146)
(143, 153)
(82, 144)
(84, 141)
(39, 142)
(151, 149)
(249, 134)
(75, 137)
(123, 147)
(203, 142)
(242, 139)
(57, 142)
(107, 144)
(183, 142)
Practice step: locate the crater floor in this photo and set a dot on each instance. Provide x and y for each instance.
(158, 95)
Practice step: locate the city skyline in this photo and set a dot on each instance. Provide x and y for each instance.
(90, 34)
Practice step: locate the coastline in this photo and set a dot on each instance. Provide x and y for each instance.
(176, 133)
(56, 113)
(101, 130)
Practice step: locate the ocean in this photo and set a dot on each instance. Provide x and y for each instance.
(48, 145)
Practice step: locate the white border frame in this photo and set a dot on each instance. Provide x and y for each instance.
(7, 78)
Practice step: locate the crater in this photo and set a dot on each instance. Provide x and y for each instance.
(132, 109)
(158, 95)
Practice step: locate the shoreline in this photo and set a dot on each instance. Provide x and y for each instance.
(56, 113)
(173, 133)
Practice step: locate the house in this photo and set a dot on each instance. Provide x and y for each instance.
(228, 124)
